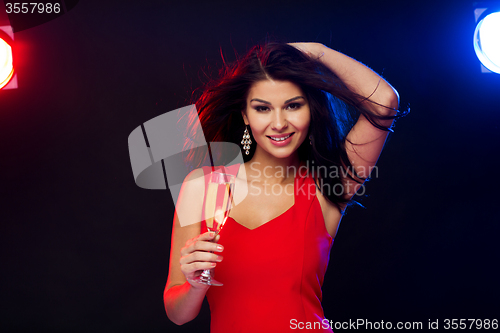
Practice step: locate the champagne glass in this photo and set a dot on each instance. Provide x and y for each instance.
(219, 197)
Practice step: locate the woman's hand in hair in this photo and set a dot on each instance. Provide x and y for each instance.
(196, 256)
(313, 50)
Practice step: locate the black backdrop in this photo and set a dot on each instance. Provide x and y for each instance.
(84, 249)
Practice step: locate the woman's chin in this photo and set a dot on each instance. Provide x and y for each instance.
(282, 153)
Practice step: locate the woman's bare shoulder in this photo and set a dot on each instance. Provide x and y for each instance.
(195, 174)
(188, 207)
(194, 181)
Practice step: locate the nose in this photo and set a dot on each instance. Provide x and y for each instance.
(279, 121)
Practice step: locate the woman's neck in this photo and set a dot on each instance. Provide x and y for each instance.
(264, 166)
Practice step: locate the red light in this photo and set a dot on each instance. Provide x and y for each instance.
(8, 78)
(6, 65)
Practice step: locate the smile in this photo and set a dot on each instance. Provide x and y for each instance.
(282, 138)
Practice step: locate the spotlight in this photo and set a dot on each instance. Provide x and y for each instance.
(6, 63)
(8, 77)
(487, 37)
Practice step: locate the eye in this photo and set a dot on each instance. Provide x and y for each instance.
(293, 106)
(261, 108)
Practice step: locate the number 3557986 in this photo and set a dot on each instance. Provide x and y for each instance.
(33, 8)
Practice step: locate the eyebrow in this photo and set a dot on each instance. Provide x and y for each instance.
(268, 103)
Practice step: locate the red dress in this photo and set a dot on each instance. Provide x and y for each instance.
(273, 274)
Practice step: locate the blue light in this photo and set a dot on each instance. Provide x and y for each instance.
(487, 41)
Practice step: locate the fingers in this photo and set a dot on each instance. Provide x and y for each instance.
(200, 257)
(312, 50)
(190, 269)
(203, 242)
(299, 45)
(200, 253)
(207, 236)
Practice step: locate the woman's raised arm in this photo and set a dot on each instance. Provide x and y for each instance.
(364, 142)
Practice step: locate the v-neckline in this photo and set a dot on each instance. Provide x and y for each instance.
(274, 218)
(266, 223)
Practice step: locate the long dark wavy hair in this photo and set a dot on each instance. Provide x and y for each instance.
(334, 109)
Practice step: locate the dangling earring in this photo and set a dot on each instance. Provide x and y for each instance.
(246, 142)
(310, 140)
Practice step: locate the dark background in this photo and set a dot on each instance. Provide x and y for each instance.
(84, 249)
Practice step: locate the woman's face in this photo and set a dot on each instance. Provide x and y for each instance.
(278, 115)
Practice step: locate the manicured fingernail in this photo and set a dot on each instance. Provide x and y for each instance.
(219, 258)
(213, 264)
(220, 248)
(212, 234)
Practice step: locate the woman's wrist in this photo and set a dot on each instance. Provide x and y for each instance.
(319, 49)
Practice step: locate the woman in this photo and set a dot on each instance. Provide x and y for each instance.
(295, 101)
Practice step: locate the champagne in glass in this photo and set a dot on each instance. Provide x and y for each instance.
(219, 197)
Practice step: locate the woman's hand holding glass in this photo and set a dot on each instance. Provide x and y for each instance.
(218, 202)
(197, 256)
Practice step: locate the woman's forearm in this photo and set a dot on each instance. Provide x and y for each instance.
(357, 77)
(183, 302)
